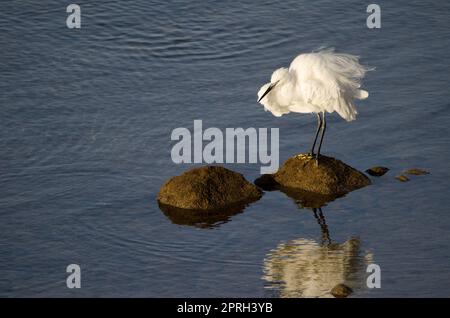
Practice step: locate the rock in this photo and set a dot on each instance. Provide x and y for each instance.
(329, 177)
(402, 178)
(208, 188)
(341, 291)
(377, 171)
(266, 182)
(416, 171)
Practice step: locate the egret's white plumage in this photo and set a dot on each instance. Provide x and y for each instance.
(304, 268)
(323, 81)
(319, 82)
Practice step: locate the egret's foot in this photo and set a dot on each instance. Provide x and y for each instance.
(306, 156)
(316, 158)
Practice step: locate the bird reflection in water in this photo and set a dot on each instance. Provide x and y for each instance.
(318, 214)
(307, 268)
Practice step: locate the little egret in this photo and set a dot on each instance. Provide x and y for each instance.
(318, 82)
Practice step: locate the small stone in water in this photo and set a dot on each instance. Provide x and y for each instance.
(377, 171)
(402, 178)
(341, 291)
(416, 171)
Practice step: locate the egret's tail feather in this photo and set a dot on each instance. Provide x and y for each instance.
(361, 94)
(345, 73)
(346, 109)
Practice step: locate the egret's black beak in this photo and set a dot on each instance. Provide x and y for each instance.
(267, 91)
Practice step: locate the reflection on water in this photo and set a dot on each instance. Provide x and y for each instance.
(318, 214)
(306, 199)
(200, 218)
(303, 199)
(307, 268)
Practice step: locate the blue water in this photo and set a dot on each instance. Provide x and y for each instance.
(86, 118)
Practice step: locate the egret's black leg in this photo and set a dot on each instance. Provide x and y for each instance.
(319, 125)
(324, 128)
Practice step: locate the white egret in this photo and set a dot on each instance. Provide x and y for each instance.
(319, 82)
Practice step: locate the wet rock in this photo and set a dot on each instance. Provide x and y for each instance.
(377, 171)
(329, 177)
(341, 291)
(416, 171)
(402, 178)
(208, 188)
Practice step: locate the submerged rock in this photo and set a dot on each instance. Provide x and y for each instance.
(377, 171)
(329, 177)
(416, 171)
(341, 291)
(402, 178)
(208, 188)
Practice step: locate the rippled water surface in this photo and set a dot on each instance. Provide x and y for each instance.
(86, 118)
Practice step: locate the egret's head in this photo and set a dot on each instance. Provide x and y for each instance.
(278, 76)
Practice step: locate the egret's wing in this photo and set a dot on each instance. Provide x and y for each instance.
(319, 93)
(326, 96)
